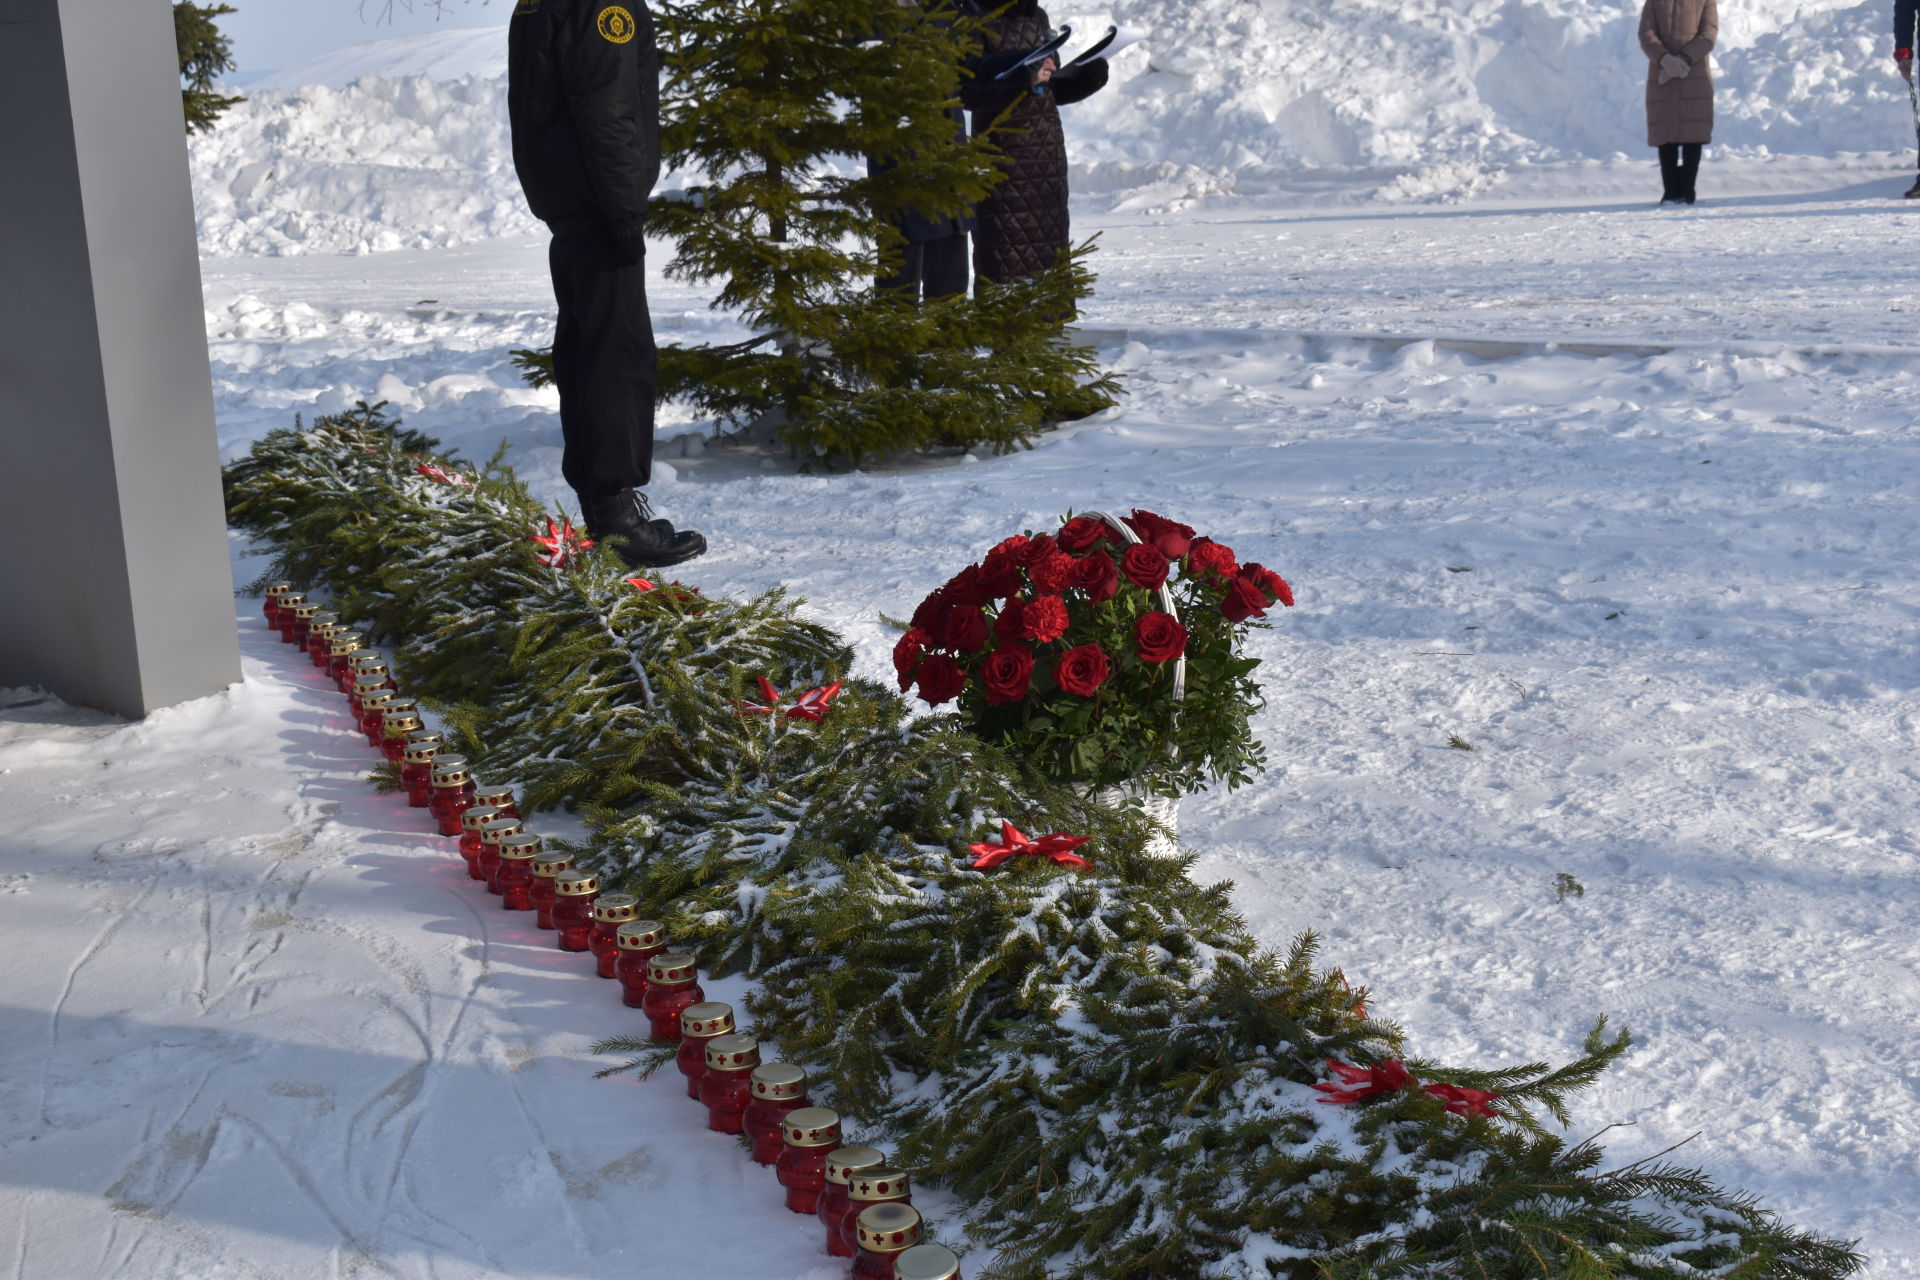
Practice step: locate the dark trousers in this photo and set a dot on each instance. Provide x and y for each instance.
(603, 365)
(1679, 170)
(932, 268)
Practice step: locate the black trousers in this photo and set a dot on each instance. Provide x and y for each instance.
(1679, 170)
(604, 366)
(932, 268)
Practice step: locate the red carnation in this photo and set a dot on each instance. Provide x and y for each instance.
(968, 587)
(1206, 556)
(1052, 574)
(1244, 600)
(964, 629)
(1169, 537)
(1007, 673)
(907, 651)
(1274, 585)
(1082, 533)
(1159, 637)
(1044, 619)
(1081, 670)
(1034, 550)
(1095, 575)
(1144, 566)
(940, 679)
(1011, 624)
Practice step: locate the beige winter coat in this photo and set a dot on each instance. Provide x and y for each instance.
(1679, 110)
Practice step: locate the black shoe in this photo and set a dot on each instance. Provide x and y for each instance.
(624, 522)
(1913, 192)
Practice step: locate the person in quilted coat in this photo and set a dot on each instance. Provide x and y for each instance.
(1677, 36)
(1021, 227)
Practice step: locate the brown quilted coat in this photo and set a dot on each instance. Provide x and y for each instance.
(1679, 110)
(1022, 225)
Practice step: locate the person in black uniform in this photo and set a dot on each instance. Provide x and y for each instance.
(1905, 14)
(583, 98)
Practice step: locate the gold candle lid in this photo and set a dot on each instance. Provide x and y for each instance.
(398, 724)
(499, 827)
(522, 846)
(733, 1052)
(639, 935)
(450, 771)
(887, 1228)
(290, 599)
(423, 752)
(278, 589)
(927, 1262)
(844, 1163)
(372, 683)
(811, 1127)
(878, 1184)
(576, 883)
(369, 658)
(780, 1081)
(373, 698)
(345, 642)
(671, 968)
(615, 908)
(427, 735)
(305, 611)
(325, 625)
(500, 793)
(551, 863)
(474, 817)
(398, 704)
(706, 1019)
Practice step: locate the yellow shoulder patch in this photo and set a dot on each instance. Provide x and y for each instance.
(616, 24)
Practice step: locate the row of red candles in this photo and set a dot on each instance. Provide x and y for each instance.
(864, 1206)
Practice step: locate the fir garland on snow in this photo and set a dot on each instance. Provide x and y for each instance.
(1102, 1061)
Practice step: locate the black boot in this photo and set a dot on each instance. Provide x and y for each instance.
(624, 522)
(1669, 173)
(1689, 172)
(1913, 192)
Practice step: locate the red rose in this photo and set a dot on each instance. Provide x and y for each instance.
(1035, 550)
(1206, 556)
(1169, 537)
(1044, 619)
(1274, 585)
(1008, 546)
(1052, 574)
(967, 587)
(907, 651)
(1082, 533)
(964, 629)
(1144, 566)
(1081, 670)
(929, 612)
(1159, 637)
(1244, 600)
(999, 577)
(1095, 575)
(940, 679)
(1011, 624)
(1007, 673)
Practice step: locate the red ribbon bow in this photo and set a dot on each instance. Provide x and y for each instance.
(811, 705)
(561, 542)
(1057, 846)
(639, 584)
(1392, 1077)
(1461, 1100)
(432, 472)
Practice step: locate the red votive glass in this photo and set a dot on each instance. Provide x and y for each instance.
(517, 853)
(573, 908)
(843, 1165)
(811, 1134)
(638, 942)
(672, 985)
(865, 1189)
(320, 634)
(545, 868)
(472, 819)
(340, 655)
(375, 719)
(927, 1262)
(416, 776)
(284, 614)
(366, 685)
(700, 1023)
(499, 793)
(724, 1085)
(777, 1090)
(270, 603)
(881, 1234)
(397, 723)
(364, 662)
(299, 624)
(492, 832)
(610, 911)
(373, 705)
(452, 792)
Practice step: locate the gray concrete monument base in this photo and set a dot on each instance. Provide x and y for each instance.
(115, 590)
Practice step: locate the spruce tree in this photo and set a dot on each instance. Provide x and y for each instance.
(204, 54)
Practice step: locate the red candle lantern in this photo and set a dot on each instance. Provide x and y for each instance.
(724, 1085)
(375, 721)
(365, 686)
(492, 832)
(396, 723)
(452, 792)
(320, 633)
(610, 911)
(416, 776)
(545, 868)
(638, 942)
(927, 1262)
(373, 705)
(517, 853)
(811, 1134)
(501, 794)
(302, 621)
(270, 605)
(472, 819)
(284, 614)
(672, 985)
(341, 653)
(777, 1089)
(573, 908)
(364, 662)
(842, 1166)
(700, 1023)
(865, 1189)
(881, 1234)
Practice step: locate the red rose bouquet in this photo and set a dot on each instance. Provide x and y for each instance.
(1107, 652)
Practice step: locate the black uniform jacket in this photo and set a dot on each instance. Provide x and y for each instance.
(583, 95)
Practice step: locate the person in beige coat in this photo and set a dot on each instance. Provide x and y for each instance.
(1677, 36)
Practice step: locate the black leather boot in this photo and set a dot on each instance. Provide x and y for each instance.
(624, 522)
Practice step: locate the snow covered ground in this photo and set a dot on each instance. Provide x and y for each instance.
(1624, 500)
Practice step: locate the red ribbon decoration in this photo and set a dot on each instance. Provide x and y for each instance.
(432, 472)
(1392, 1077)
(1461, 1100)
(639, 584)
(1057, 846)
(811, 705)
(561, 542)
